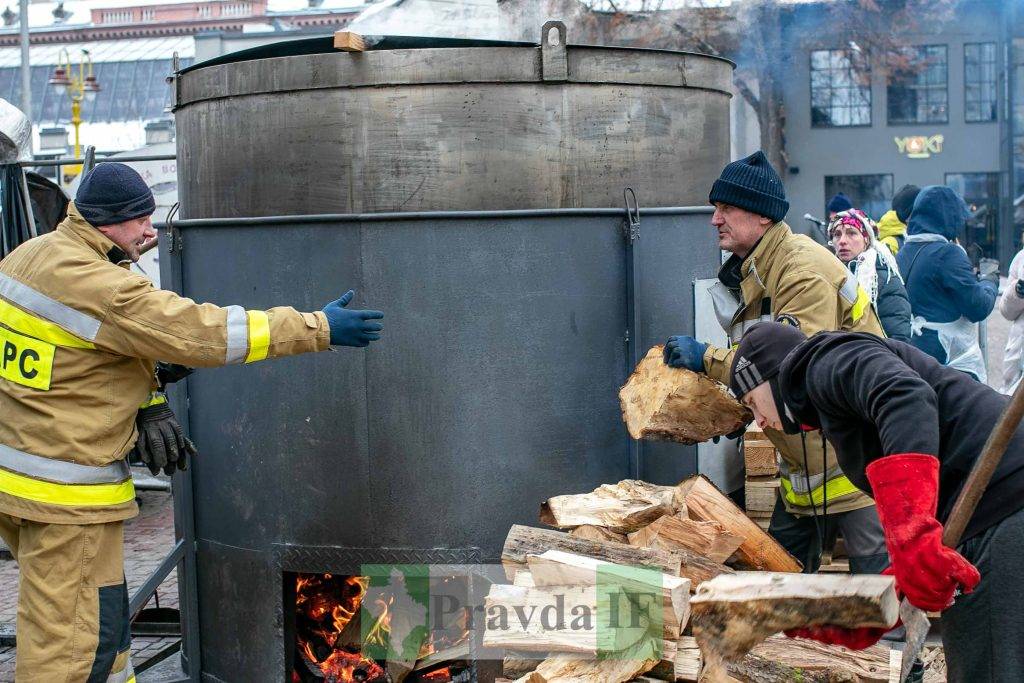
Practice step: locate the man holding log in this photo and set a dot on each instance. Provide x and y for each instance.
(774, 274)
(908, 430)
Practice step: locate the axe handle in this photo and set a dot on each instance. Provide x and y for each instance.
(983, 469)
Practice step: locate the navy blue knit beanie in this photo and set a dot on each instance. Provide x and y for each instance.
(903, 201)
(113, 193)
(752, 184)
(839, 203)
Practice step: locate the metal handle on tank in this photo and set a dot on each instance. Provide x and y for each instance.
(554, 64)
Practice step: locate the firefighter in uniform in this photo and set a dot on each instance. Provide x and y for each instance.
(776, 275)
(79, 334)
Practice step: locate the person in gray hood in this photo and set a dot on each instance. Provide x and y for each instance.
(947, 299)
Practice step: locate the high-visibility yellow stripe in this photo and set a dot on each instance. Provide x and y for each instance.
(259, 335)
(154, 398)
(65, 494)
(25, 360)
(861, 304)
(34, 326)
(837, 488)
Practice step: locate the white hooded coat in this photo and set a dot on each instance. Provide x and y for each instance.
(1011, 307)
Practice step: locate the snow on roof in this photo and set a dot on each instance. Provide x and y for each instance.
(297, 6)
(432, 18)
(128, 50)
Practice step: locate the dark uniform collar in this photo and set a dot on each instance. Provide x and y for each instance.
(81, 230)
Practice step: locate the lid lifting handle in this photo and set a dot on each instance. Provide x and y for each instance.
(554, 59)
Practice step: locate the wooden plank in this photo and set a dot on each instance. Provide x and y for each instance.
(557, 568)
(672, 404)
(731, 614)
(871, 665)
(582, 620)
(598, 533)
(673, 532)
(761, 493)
(705, 503)
(523, 541)
(349, 41)
(621, 508)
(760, 458)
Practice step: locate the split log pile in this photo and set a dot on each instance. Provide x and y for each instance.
(762, 481)
(692, 569)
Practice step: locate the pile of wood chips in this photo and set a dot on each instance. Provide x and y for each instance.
(684, 535)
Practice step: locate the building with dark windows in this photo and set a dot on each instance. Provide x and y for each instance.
(944, 105)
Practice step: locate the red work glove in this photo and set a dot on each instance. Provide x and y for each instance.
(906, 492)
(852, 638)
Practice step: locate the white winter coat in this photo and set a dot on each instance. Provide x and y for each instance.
(1011, 307)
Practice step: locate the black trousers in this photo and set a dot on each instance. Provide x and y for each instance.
(983, 633)
(862, 533)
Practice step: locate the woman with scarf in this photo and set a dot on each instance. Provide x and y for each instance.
(855, 240)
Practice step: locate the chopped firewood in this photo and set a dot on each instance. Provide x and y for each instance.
(754, 669)
(732, 614)
(557, 568)
(597, 533)
(761, 493)
(705, 503)
(760, 458)
(583, 620)
(672, 532)
(349, 41)
(681, 661)
(875, 664)
(524, 540)
(622, 507)
(672, 404)
(616, 668)
(452, 654)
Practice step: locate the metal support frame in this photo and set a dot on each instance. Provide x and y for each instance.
(631, 232)
(70, 161)
(146, 590)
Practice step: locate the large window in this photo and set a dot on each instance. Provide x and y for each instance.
(917, 91)
(981, 192)
(872, 194)
(980, 82)
(840, 88)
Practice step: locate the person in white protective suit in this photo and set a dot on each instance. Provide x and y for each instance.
(1011, 306)
(947, 299)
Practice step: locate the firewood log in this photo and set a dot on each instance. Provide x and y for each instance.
(876, 664)
(732, 614)
(705, 503)
(673, 532)
(617, 668)
(672, 404)
(598, 533)
(523, 541)
(671, 593)
(621, 508)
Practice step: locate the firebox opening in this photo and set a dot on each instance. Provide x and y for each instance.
(330, 643)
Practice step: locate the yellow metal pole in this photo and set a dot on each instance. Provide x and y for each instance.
(76, 121)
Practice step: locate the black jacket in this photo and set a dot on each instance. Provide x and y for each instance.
(893, 304)
(875, 397)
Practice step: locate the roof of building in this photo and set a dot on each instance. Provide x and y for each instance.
(125, 50)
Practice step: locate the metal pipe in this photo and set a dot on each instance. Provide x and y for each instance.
(305, 219)
(80, 160)
(26, 66)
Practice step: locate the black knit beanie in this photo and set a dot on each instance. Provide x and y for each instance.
(839, 203)
(760, 353)
(903, 201)
(113, 193)
(752, 184)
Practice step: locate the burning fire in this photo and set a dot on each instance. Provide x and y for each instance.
(325, 607)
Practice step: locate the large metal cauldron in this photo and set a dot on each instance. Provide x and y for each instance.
(496, 383)
(451, 129)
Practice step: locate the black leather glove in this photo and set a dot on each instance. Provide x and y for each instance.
(732, 435)
(1019, 288)
(162, 445)
(169, 373)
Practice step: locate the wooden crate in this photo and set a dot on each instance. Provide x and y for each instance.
(761, 493)
(760, 458)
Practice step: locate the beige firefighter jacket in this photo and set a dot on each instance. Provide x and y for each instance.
(791, 278)
(79, 334)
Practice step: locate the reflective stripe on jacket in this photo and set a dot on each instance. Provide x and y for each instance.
(793, 278)
(79, 335)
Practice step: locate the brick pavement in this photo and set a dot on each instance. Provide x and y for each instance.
(148, 538)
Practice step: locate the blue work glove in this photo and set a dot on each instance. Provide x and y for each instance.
(351, 328)
(685, 352)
